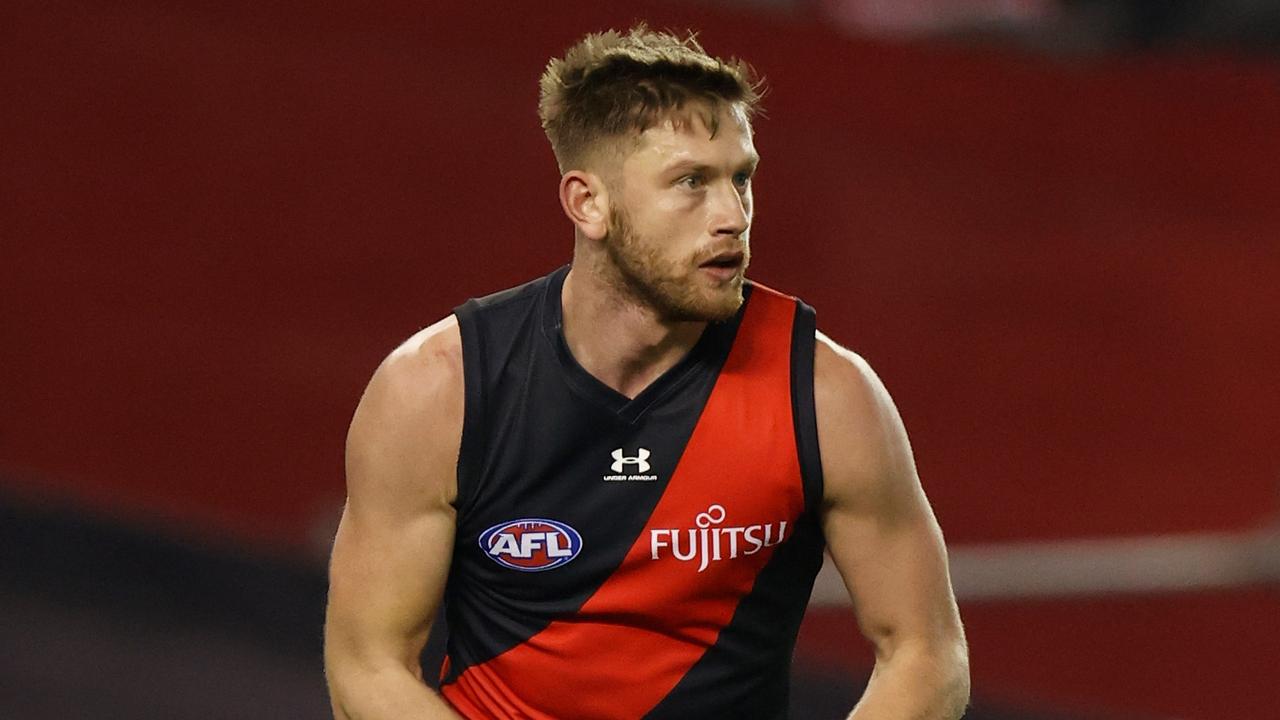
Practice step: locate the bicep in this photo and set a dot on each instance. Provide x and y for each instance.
(391, 554)
(386, 579)
(880, 530)
(894, 567)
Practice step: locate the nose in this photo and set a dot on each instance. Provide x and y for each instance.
(731, 210)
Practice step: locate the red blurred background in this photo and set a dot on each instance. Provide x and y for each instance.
(218, 217)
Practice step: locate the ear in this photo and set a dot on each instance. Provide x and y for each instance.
(585, 201)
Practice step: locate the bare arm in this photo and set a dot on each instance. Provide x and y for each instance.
(885, 542)
(391, 554)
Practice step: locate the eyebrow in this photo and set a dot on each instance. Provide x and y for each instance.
(751, 163)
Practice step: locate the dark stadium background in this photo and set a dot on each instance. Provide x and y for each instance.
(1061, 252)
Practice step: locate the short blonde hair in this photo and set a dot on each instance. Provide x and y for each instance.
(612, 85)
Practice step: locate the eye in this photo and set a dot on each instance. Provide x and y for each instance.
(693, 181)
(742, 179)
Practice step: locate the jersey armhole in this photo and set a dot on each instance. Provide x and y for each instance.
(471, 449)
(805, 417)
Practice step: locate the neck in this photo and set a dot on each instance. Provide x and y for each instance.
(623, 343)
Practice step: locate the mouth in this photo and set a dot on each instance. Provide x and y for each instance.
(724, 265)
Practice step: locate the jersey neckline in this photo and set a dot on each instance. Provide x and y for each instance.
(711, 349)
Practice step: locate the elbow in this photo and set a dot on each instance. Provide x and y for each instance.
(956, 685)
(939, 672)
(350, 676)
(365, 686)
(338, 682)
(922, 677)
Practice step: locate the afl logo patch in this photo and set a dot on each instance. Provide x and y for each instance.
(531, 544)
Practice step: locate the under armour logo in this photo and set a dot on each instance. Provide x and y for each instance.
(641, 460)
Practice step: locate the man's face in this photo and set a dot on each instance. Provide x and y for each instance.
(681, 216)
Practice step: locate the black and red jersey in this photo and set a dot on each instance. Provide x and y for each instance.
(631, 557)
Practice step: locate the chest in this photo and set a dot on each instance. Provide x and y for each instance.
(683, 501)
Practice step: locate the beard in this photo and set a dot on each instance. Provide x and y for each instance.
(672, 287)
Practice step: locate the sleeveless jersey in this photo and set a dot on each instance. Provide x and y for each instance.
(626, 558)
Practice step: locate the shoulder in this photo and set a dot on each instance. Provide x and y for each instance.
(846, 389)
(420, 376)
(860, 434)
(408, 424)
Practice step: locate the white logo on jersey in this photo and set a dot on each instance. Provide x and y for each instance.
(641, 460)
(708, 543)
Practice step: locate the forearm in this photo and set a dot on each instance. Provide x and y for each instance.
(917, 683)
(385, 694)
